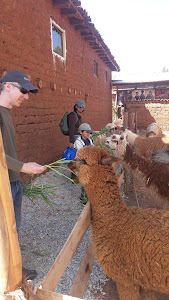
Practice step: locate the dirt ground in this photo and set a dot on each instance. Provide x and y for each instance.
(135, 195)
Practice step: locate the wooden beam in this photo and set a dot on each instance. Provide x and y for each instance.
(51, 280)
(95, 46)
(91, 25)
(76, 2)
(68, 11)
(84, 14)
(102, 56)
(90, 38)
(85, 33)
(10, 254)
(47, 295)
(99, 51)
(79, 287)
(75, 21)
(81, 27)
(61, 3)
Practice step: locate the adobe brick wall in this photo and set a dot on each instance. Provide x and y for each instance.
(25, 44)
(149, 112)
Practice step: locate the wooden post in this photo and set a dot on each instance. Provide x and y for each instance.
(136, 124)
(125, 121)
(10, 255)
(62, 260)
(79, 287)
(132, 121)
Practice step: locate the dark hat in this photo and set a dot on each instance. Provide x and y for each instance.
(21, 78)
(80, 103)
(85, 126)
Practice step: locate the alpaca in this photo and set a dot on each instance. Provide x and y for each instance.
(131, 244)
(144, 145)
(117, 123)
(153, 130)
(154, 174)
(110, 128)
(161, 156)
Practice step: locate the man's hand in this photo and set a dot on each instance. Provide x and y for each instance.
(71, 145)
(32, 168)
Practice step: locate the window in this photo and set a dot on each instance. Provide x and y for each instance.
(105, 75)
(95, 68)
(58, 39)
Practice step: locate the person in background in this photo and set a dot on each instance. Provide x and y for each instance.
(15, 90)
(74, 121)
(142, 96)
(82, 141)
(137, 97)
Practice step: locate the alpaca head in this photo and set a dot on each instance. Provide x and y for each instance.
(89, 160)
(117, 143)
(114, 129)
(129, 136)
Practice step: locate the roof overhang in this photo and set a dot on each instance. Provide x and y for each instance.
(121, 85)
(79, 18)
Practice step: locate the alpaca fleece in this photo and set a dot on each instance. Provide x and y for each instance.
(145, 145)
(153, 130)
(131, 244)
(155, 174)
(161, 156)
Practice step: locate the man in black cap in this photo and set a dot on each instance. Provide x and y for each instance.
(74, 121)
(15, 90)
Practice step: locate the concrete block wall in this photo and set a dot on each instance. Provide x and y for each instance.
(25, 45)
(149, 112)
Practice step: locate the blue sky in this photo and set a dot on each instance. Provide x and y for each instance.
(135, 31)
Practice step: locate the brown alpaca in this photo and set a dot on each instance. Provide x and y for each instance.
(155, 175)
(145, 145)
(131, 244)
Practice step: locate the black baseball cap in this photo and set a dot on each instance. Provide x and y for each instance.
(21, 78)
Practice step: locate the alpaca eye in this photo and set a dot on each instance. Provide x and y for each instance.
(84, 162)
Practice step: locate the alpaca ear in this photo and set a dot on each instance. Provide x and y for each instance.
(108, 160)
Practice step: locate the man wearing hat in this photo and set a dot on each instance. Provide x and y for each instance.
(74, 121)
(15, 90)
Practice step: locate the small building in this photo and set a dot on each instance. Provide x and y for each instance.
(141, 90)
(57, 45)
(144, 102)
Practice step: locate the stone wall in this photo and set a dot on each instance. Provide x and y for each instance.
(143, 113)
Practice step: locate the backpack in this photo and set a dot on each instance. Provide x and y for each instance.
(64, 124)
